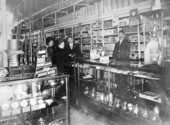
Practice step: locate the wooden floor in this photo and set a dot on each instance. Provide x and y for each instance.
(86, 117)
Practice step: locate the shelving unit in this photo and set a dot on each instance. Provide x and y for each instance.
(76, 18)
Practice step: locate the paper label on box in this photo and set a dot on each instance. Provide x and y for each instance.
(26, 109)
(35, 107)
(6, 113)
(40, 60)
(42, 106)
(16, 111)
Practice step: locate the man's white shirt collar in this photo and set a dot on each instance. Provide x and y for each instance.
(121, 41)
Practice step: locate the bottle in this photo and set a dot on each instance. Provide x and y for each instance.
(145, 114)
(41, 121)
(110, 99)
(124, 105)
(136, 110)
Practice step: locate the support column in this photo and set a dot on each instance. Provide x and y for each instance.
(3, 36)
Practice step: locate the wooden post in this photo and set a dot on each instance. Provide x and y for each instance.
(3, 35)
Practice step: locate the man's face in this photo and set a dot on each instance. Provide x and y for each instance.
(51, 43)
(121, 36)
(70, 41)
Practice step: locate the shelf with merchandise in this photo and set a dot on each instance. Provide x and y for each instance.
(110, 35)
(69, 31)
(86, 37)
(106, 28)
(89, 12)
(86, 28)
(123, 25)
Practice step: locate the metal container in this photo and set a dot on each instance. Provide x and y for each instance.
(12, 44)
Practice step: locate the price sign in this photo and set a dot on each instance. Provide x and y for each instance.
(6, 113)
(35, 107)
(134, 17)
(16, 111)
(26, 109)
(42, 106)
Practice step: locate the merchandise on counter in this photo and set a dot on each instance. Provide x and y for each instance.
(18, 72)
(44, 65)
(3, 72)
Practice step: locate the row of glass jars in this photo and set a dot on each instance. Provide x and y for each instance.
(115, 102)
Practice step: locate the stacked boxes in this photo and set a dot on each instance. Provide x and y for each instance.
(97, 8)
(119, 3)
(110, 39)
(113, 4)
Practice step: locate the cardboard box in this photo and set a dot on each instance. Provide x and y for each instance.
(104, 59)
(94, 54)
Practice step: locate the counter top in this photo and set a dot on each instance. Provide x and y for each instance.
(148, 71)
(26, 81)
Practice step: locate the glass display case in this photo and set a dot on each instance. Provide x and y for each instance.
(130, 93)
(40, 101)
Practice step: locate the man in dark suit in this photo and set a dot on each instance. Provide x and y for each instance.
(122, 49)
(121, 57)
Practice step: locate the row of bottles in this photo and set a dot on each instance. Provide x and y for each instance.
(111, 99)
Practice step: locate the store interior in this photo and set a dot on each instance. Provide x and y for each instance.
(79, 62)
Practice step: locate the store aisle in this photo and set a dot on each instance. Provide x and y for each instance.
(84, 117)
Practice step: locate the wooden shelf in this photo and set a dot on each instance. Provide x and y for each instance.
(86, 43)
(109, 43)
(85, 31)
(86, 37)
(111, 35)
(128, 33)
(124, 26)
(96, 36)
(106, 28)
(96, 29)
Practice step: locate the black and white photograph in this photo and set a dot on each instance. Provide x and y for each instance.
(84, 62)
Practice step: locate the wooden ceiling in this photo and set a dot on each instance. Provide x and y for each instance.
(26, 7)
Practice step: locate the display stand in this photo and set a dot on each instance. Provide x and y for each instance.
(40, 100)
(131, 93)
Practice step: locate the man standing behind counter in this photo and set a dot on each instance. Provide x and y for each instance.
(122, 49)
(121, 57)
